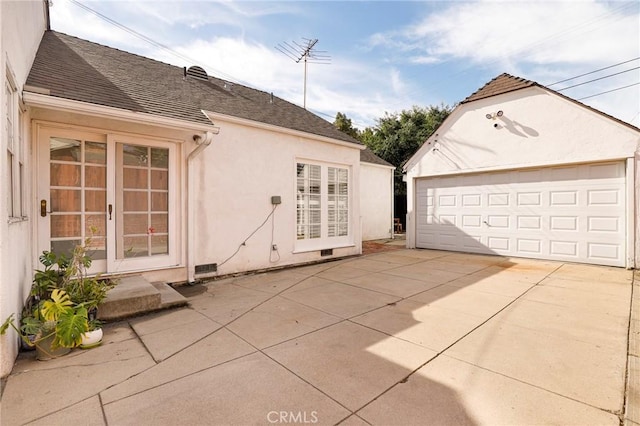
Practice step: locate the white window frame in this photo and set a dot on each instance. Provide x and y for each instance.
(324, 241)
(15, 148)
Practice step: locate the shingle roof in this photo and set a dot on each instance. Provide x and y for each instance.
(367, 156)
(81, 70)
(501, 84)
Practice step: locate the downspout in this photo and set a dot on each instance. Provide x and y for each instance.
(202, 141)
(393, 205)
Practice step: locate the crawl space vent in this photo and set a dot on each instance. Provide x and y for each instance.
(206, 269)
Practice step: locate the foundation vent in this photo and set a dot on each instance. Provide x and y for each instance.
(206, 268)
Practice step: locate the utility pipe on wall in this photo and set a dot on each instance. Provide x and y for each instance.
(202, 141)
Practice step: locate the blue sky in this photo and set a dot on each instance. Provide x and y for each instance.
(385, 56)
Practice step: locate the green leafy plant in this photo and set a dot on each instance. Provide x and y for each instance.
(58, 317)
(63, 300)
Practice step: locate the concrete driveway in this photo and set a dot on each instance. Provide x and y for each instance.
(402, 337)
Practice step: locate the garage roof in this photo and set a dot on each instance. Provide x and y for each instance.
(505, 83)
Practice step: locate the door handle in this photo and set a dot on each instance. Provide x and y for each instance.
(110, 209)
(43, 208)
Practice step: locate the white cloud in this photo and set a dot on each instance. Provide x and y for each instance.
(535, 32)
(542, 41)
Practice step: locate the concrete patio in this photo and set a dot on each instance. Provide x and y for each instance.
(400, 337)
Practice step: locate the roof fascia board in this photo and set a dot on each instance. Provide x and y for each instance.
(411, 162)
(67, 105)
(382, 166)
(270, 127)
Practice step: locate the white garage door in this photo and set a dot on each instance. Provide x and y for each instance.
(572, 213)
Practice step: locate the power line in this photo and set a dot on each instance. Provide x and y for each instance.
(609, 91)
(592, 72)
(152, 42)
(596, 79)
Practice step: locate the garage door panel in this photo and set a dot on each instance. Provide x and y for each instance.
(498, 244)
(529, 198)
(563, 198)
(563, 223)
(603, 224)
(574, 213)
(471, 221)
(529, 222)
(472, 200)
(604, 197)
(563, 248)
(604, 251)
(498, 199)
(533, 247)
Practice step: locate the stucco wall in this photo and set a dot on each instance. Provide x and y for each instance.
(537, 128)
(376, 201)
(235, 178)
(22, 24)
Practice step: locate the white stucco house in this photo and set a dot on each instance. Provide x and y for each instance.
(520, 170)
(172, 174)
(376, 196)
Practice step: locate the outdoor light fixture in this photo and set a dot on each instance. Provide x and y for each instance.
(494, 115)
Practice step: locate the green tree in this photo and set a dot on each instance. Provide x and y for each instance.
(344, 124)
(398, 136)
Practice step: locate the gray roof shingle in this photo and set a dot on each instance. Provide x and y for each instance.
(81, 70)
(503, 83)
(367, 156)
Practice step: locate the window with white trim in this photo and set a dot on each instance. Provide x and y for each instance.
(12, 146)
(309, 203)
(322, 205)
(338, 201)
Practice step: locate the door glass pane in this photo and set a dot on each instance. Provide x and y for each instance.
(159, 244)
(95, 152)
(95, 177)
(62, 149)
(135, 223)
(65, 200)
(133, 155)
(78, 196)
(95, 201)
(136, 246)
(135, 201)
(159, 179)
(135, 178)
(160, 158)
(64, 246)
(65, 175)
(66, 225)
(145, 201)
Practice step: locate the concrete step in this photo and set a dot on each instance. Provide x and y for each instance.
(134, 295)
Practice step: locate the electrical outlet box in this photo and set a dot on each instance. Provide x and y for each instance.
(275, 199)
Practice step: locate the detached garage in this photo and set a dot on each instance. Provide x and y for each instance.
(520, 170)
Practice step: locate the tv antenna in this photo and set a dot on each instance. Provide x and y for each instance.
(304, 51)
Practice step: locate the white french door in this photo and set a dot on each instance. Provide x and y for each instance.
(113, 194)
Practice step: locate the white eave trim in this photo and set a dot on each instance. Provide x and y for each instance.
(279, 129)
(46, 101)
(381, 166)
